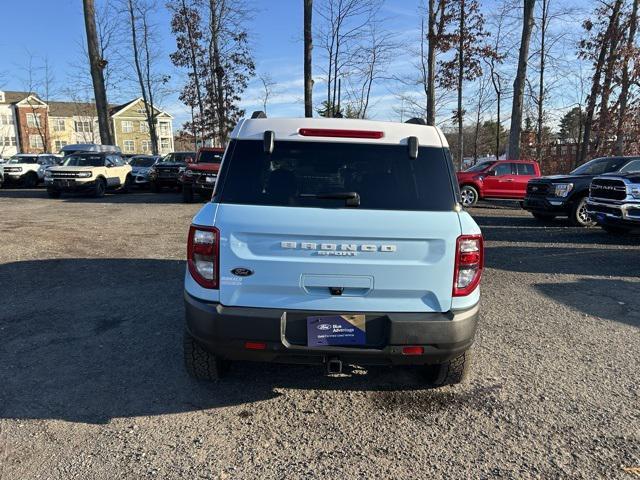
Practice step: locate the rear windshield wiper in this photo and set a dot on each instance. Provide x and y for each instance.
(352, 199)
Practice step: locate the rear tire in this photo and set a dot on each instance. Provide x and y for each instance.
(199, 362)
(613, 230)
(469, 196)
(187, 193)
(100, 188)
(451, 372)
(53, 193)
(579, 216)
(30, 180)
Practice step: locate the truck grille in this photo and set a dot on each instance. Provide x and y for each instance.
(168, 172)
(608, 189)
(65, 174)
(12, 169)
(537, 189)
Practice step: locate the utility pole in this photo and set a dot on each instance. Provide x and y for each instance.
(308, 50)
(97, 64)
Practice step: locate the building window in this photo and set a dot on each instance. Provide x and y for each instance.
(563, 150)
(6, 120)
(164, 144)
(60, 144)
(33, 120)
(146, 146)
(129, 146)
(8, 141)
(127, 126)
(144, 126)
(142, 111)
(165, 129)
(59, 125)
(84, 127)
(35, 141)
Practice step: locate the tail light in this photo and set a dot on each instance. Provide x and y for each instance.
(339, 133)
(203, 253)
(469, 264)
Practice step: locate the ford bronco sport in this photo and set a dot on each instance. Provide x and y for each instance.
(28, 169)
(88, 172)
(332, 241)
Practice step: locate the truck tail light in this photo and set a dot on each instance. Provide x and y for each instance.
(203, 253)
(339, 133)
(469, 264)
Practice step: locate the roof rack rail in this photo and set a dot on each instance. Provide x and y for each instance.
(416, 121)
(258, 114)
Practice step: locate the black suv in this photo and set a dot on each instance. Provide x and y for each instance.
(566, 195)
(166, 173)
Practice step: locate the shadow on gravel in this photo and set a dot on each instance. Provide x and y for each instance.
(136, 196)
(87, 340)
(616, 300)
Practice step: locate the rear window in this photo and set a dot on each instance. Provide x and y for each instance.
(207, 156)
(296, 173)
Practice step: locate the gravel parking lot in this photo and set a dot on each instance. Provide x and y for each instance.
(92, 384)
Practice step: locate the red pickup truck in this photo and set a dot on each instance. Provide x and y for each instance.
(502, 179)
(200, 176)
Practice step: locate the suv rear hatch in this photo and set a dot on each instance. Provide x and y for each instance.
(291, 218)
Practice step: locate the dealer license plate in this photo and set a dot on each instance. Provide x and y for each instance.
(333, 330)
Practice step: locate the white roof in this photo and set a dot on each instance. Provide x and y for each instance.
(289, 129)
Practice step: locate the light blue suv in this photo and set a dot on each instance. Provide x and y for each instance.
(332, 241)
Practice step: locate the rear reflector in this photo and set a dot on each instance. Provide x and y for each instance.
(255, 345)
(412, 350)
(328, 132)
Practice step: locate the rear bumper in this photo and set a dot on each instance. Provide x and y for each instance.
(224, 331)
(547, 205)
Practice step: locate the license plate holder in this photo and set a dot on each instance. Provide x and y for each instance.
(336, 330)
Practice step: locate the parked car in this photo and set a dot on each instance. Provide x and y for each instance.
(566, 195)
(200, 177)
(614, 200)
(166, 173)
(89, 172)
(502, 179)
(28, 169)
(141, 168)
(332, 241)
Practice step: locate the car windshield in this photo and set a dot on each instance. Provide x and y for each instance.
(142, 161)
(329, 175)
(179, 157)
(86, 160)
(600, 166)
(207, 156)
(479, 167)
(17, 159)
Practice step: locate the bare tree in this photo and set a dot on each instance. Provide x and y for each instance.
(308, 58)
(268, 85)
(97, 65)
(513, 151)
(630, 52)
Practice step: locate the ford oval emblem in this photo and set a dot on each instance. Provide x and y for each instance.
(242, 272)
(324, 326)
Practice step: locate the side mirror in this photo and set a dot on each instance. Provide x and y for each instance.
(492, 173)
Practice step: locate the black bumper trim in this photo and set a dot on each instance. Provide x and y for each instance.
(224, 330)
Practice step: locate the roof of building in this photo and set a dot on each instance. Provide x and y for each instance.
(70, 109)
(14, 97)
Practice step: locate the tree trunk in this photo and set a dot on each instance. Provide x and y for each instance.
(460, 79)
(196, 77)
(595, 84)
(519, 82)
(603, 121)
(498, 95)
(543, 34)
(97, 64)
(624, 94)
(431, 65)
(308, 51)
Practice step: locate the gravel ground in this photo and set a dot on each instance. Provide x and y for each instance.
(92, 384)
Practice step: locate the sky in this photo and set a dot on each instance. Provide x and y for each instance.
(56, 31)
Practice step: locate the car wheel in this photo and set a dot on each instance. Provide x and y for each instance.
(579, 216)
(187, 194)
(155, 188)
(451, 372)
(200, 363)
(543, 217)
(100, 188)
(615, 230)
(53, 193)
(126, 188)
(469, 196)
(30, 180)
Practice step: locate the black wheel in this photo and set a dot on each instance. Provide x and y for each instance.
(30, 180)
(615, 230)
(100, 188)
(579, 216)
(543, 217)
(469, 196)
(448, 373)
(53, 193)
(126, 188)
(199, 362)
(187, 193)
(155, 188)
